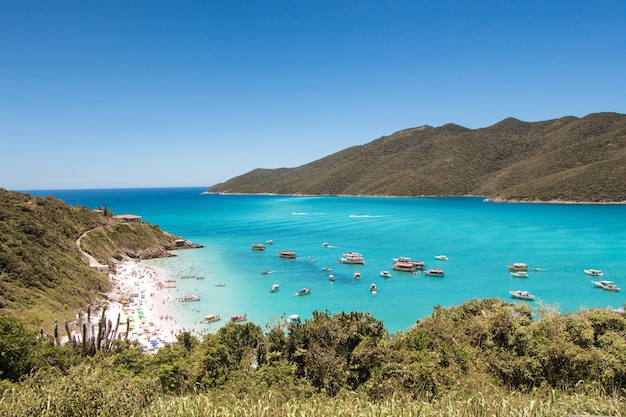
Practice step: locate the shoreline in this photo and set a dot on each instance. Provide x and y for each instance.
(143, 294)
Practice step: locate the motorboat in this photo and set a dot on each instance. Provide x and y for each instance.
(517, 266)
(326, 268)
(403, 266)
(405, 259)
(352, 258)
(434, 272)
(303, 291)
(238, 317)
(594, 272)
(373, 288)
(522, 295)
(269, 242)
(258, 246)
(325, 244)
(357, 275)
(189, 297)
(385, 274)
(287, 254)
(293, 319)
(266, 272)
(274, 287)
(211, 318)
(331, 277)
(441, 257)
(606, 285)
(520, 274)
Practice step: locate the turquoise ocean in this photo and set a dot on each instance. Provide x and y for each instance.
(480, 238)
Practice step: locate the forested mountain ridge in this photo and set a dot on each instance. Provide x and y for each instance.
(566, 159)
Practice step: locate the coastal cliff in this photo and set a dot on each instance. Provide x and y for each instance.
(567, 160)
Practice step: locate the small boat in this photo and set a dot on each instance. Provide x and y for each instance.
(220, 284)
(189, 297)
(258, 246)
(238, 317)
(441, 257)
(325, 244)
(210, 318)
(523, 295)
(352, 258)
(434, 272)
(331, 277)
(287, 254)
(593, 272)
(293, 319)
(519, 274)
(385, 274)
(606, 285)
(373, 288)
(269, 242)
(517, 266)
(357, 275)
(274, 287)
(266, 272)
(326, 268)
(303, 291)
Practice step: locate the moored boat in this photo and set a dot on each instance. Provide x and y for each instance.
(303, 291)
(293, 319)
(594, 272)
(352, 258)
(238, 317)
(441, 257)
(326, 268)
(373, 288)
(519, 274)
(274, 287)
(523, 295)
(357, 275)
(189, 297)
(403, 266)
(434, 272)
(331, 277)
(517, 266)
(385, 274)
(606, 285)
(210, 318)
(269, 242)
(287, 254)
(258, 246)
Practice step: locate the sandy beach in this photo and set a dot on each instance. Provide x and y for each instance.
(145, 295)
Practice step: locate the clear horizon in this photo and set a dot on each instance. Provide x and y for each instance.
(149, 94)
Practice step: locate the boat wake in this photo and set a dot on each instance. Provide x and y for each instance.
(364, 216)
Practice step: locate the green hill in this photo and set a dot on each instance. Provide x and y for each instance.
(43, 274)
(566, 159)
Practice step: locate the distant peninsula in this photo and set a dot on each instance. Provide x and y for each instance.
(569, 159)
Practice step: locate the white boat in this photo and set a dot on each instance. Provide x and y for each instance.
(606, 285)
(325, 244)
(441, 257)
(274, 287)
(434, 272)
(352, 258)
(258, 246)
(373, 288)
(331, 277)
(520, 274)
(269, 242)
(517, 266)
(523, 295)
(326, 268)
(293, 319)
(594, 272)
(189, 297)
(385, 274)
(303, 291)
(210, 318)
(357, 275)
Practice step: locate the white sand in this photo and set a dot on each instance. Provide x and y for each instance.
(141, 292)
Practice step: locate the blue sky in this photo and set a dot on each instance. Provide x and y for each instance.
(138, 93)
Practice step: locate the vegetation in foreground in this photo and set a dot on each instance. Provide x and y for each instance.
(484, 357)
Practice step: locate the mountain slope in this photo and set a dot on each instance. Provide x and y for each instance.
(573, 159)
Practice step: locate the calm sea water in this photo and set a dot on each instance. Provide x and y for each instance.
(479, 238)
